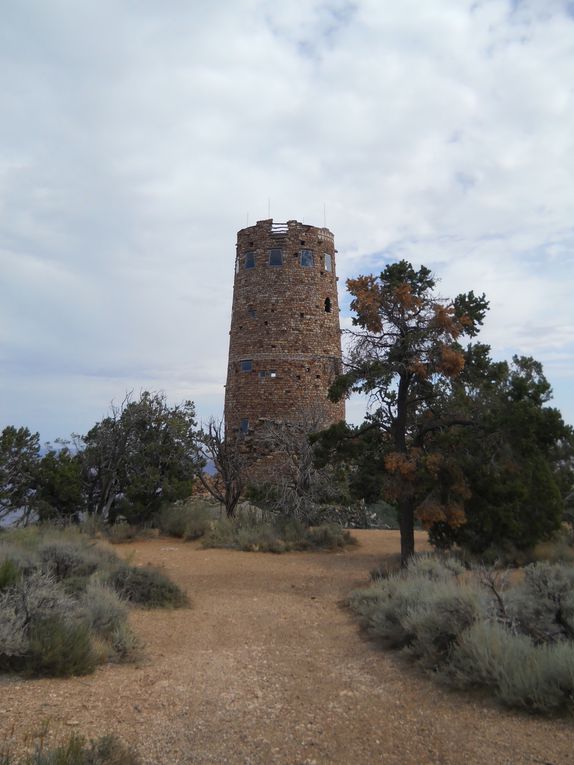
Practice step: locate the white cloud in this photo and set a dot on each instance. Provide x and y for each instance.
(137, 138)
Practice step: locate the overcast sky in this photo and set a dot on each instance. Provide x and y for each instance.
(137, 137)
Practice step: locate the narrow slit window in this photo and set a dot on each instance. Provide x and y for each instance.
(246, 365)
(244, 426)
(250, 259)
(275, 257)
(328, 262)
(251, 312)
(327, 305)
(306, 258)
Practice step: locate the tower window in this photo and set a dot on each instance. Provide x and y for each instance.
(275, 257)
(246, 365)
(306, 258)
(244, 425)
(250, 259)
(327, 305)
(251, 312)
(328, 262)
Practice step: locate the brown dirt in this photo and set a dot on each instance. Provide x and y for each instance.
(268, 666)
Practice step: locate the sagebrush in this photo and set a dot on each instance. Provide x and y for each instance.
(64, 603)
(470, 628)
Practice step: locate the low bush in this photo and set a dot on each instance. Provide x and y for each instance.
(65, 559)
(520, 673)
(186, 520)
(59, 647)
(279, 535)
(63, 604)
(146, 587)
(9, 573)
(107, 750)
(542, 605)
(472, 631)
(120, 533)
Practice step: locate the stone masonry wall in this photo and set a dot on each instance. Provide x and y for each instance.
(285, 322)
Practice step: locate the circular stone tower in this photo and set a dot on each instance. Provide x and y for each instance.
(285, 339)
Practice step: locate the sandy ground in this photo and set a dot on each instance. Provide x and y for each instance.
(268, 666)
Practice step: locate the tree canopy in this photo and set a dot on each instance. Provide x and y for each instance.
(142, 454)
(441, 414)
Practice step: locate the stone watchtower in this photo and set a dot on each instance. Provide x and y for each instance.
(285, 340)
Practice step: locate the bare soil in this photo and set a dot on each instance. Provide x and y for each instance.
(268, 666)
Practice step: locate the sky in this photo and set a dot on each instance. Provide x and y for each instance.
(137, 137)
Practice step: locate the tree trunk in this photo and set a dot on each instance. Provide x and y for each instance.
(407, 526)
(406, 505)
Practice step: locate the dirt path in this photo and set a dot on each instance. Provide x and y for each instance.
(267, 667)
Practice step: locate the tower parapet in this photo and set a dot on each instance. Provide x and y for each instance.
(285, 338)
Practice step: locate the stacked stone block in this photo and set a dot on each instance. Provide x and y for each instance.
(285, 338)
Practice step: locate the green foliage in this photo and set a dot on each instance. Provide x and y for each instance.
(278, 535)
(542, 605)
(406, 356)
(104, 610)
(64, 559)
(120, 532)
(521, 674)
(146, 587)
(59, 647)
(59, 486)
(107, 750)
(424, 609)
(19, 450)
(473, 631)
(509, 461)
(58, 617)
(10, 573)
(186, 520)
(144, 453)
(467, 444)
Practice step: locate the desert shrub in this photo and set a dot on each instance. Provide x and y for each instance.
(59, 647)
(9, 573)
(436, 567)
(42, 631)
(542, 605)
(393, 609)
(121, 532)
(474, 632)
(67, 559)
(125, 644)
(107, 750)
(437, 624)
(222, 533)
(106, 615)
(558, 549)
(251, 534)
(328, 537)
(521, 674)
(146, 587)
(185, 520)
(103, 608)
(58, 617)
(13, 633)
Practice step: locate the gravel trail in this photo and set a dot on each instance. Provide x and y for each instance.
(268, 666)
